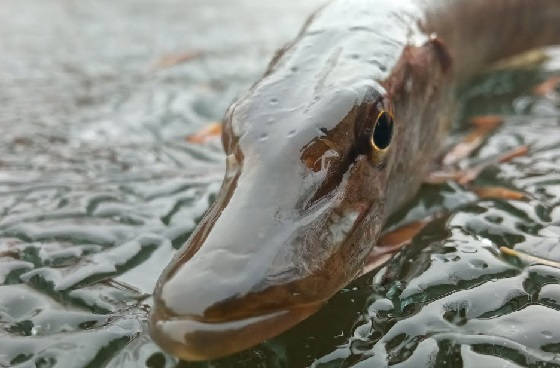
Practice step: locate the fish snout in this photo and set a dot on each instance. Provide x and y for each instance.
(201, 339)
(219, 309)
(256, 266)
(229, 291)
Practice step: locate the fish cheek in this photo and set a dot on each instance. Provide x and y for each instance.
(363, 196)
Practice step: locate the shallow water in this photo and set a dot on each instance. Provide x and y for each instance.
(98, 188)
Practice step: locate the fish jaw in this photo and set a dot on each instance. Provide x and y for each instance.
(194, 340)
(239, 281)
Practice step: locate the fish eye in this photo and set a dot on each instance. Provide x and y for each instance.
(382, 132)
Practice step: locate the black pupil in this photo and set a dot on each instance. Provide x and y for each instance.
(383, 131)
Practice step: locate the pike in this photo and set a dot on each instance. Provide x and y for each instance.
(337, 135)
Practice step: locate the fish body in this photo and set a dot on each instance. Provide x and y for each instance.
(337, 135)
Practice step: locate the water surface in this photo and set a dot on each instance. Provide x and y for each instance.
(98, 188)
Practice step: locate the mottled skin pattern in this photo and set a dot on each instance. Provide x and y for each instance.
(306, 194)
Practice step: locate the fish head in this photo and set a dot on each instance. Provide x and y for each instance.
(299, 210)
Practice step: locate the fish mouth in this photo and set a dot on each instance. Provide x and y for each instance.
(257, 266)
(195, 339)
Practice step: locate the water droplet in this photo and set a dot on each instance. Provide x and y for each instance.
(468, 249)
(263, 137)
(45, 362)
(291, 133)
(270, 121)
(273, 101)
(354, 56)
(494, 219)
(380, 305)
(547, 334)
(408, 85)
(294, 69)
(477, 263)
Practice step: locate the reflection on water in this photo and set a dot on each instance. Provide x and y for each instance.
(98, 189)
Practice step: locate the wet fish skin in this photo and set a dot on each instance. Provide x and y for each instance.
(305, 194)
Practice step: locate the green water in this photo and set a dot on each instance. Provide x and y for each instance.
(98, 189)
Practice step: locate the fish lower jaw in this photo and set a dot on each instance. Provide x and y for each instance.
(195, 340)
